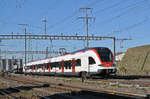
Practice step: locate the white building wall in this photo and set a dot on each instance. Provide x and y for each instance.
(119, 57)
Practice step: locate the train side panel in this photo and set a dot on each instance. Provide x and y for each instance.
(72, 64)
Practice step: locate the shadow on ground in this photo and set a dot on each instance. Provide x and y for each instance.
(11, 90)
(83, 94)
(90, 95)
(125, 77)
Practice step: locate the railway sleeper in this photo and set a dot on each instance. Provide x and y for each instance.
(7, 94)
(41, 97)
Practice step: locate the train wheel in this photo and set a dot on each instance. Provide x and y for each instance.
(106, 76)
(83, 76)
(25, 74)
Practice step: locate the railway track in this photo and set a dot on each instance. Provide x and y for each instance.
(38, 88)
(48, 89)
(142, 82)
(15, 91)
(5, 94)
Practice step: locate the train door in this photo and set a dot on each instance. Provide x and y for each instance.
(84, 64)
(44, 67)
(92, 64)
(49, 69)
(36, 68)
(62, 66)
(32, 68)
(73, 65)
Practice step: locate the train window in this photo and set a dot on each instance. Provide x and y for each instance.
(52, 65)
(105, 55)
(47, 66)
(33, 66)
(91, 61)
(78, 62)
(55, 64)
(43, 66)
(40, 66)
(59, 67)
(37, 66)
(30, 67)
(27, 67)
(67, 64)
(59, 63)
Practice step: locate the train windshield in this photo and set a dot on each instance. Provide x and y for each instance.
(105, 55)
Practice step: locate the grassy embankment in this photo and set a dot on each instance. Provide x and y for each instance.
(136, 61)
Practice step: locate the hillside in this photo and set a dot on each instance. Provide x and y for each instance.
(136, 61)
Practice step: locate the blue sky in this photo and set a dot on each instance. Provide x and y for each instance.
(120, 18)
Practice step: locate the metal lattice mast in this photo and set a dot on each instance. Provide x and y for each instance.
(87, 18)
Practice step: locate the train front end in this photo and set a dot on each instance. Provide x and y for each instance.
(106, 59)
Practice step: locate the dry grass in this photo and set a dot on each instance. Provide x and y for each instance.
(136, 61)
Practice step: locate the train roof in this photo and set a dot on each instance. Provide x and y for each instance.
(82, 50)
(85, 49)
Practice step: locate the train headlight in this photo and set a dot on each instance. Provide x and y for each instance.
(101, 65)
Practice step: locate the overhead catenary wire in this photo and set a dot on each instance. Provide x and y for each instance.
(127, 9)
(2, 4)
(71, 16)
(146, 20)
(89, 5)
(93, 3)
(134, 25)
(50, 7)
(73, 26)
(9, 18)
(62, 21)
(122, 13)
(20, 3)
(130, 26)
(110, 7)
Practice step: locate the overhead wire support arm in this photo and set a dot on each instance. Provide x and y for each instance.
(86, 17)
(30, 52)
(87, 8)
(62, 37)
(54, 37)
(123, 39)
(118, 39)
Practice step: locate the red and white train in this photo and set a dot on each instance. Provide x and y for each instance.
(92, 61)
